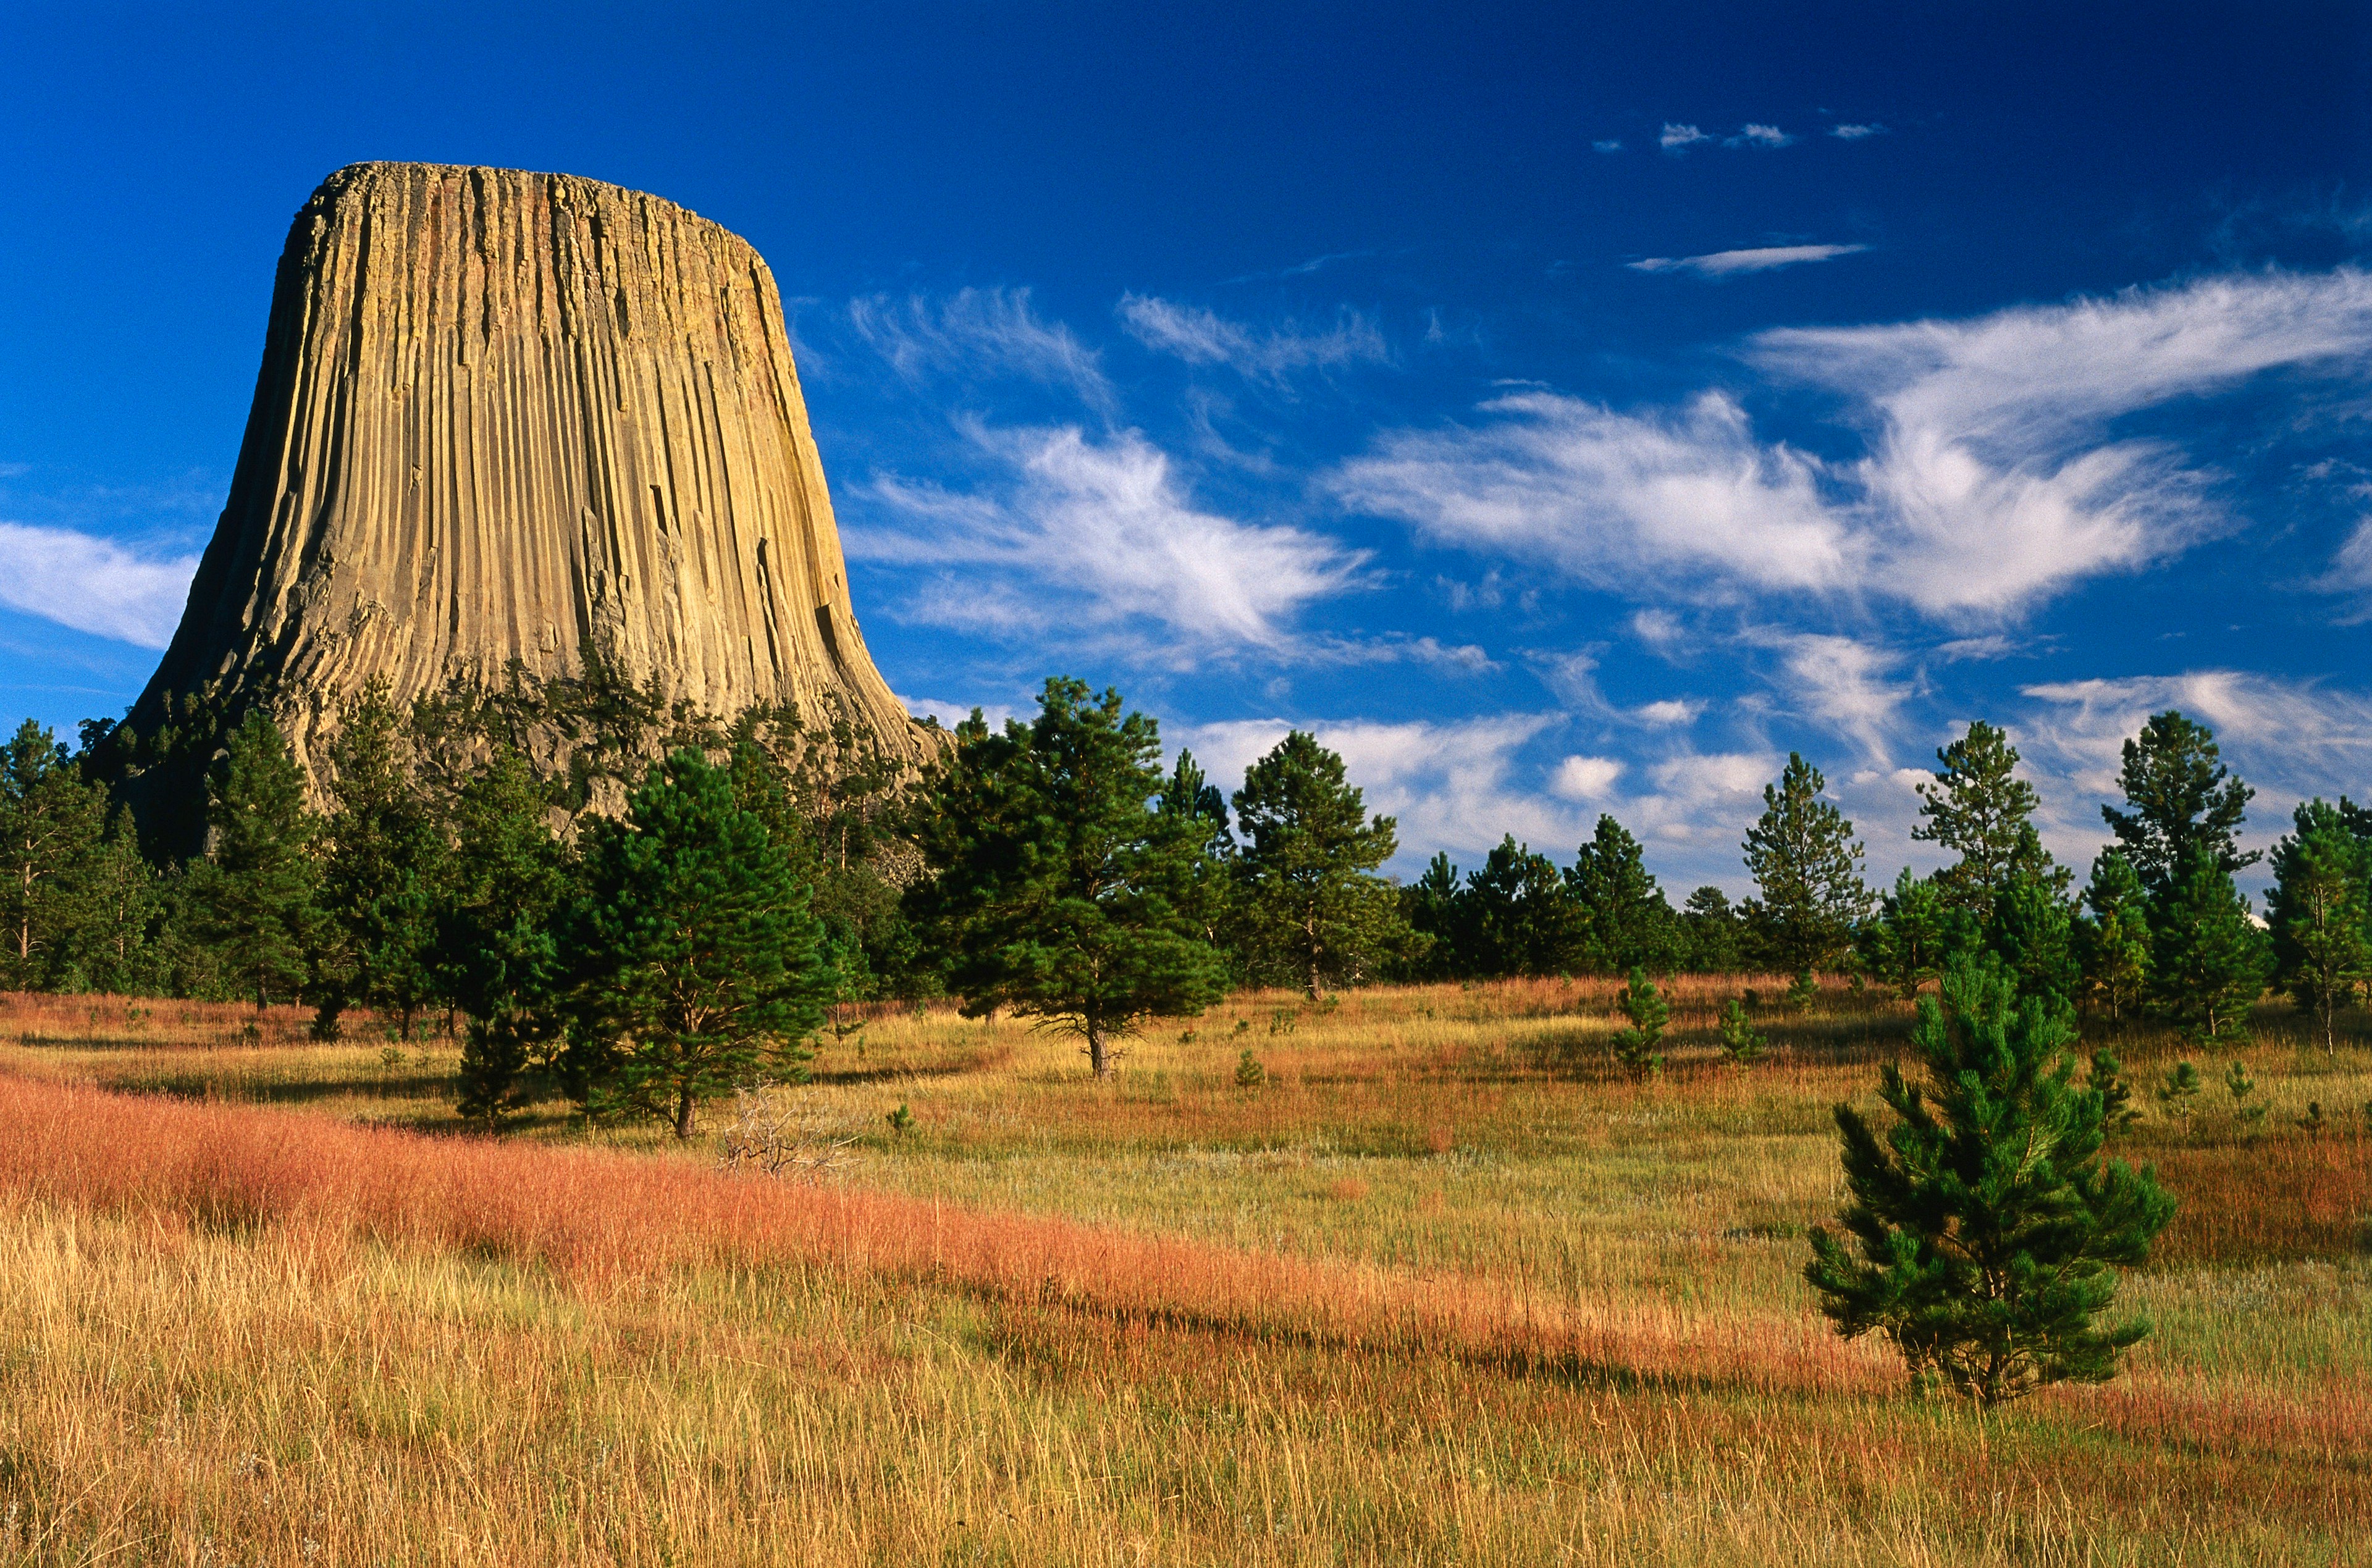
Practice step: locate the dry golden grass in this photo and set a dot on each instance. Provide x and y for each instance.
(1446, 1289)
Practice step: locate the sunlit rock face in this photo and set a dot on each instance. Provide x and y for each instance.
(506, 416)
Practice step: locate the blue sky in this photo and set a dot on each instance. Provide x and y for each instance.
(1568, 412)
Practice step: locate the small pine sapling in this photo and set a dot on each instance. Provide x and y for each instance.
(1741, 1042)
(2313, 1121)
(1801, 994)
(2240, 1087)
(1635, 1048)
(1250, 1073)
(2118, 1113)
(2178, 1092)
(899, 1119)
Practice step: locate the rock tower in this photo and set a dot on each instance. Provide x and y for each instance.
(513, 416)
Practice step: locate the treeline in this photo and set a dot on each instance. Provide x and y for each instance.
(619, 898)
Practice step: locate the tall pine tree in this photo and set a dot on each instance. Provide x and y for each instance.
(2208, 961)
(52, 828)
(1059, 888)
(1806, 865)
(2114, 943)
(1629, 921)
(2179, 797)
(1978, 808)
(257, 890)
(497, 950)
(383, 859)
(1311, 902)
(700, 967)
(2319, 912)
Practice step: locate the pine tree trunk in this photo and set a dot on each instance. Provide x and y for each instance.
(1099, 1052)
(683, 1113)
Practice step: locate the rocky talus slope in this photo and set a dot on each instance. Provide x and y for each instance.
(514, 416)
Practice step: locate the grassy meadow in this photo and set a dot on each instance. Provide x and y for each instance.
(1445, 1288)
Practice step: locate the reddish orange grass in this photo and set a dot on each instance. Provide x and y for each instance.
(605, 1219)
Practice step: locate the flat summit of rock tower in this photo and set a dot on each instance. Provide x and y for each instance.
(507, 416)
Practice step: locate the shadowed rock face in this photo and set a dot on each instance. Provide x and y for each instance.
(506, 415)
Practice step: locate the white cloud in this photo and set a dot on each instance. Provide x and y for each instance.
(1605, 496)
(1724, 264)
(1990, 483)
(2290, 739)
(1586, 778)
(1668, 714)
(93, 585)
(1856, 133)
(2351, 568)
(981, 332)
(1677, 136)
(1754, 136)
(1608, 146)
(1200, 337)
(1089, 534)
(1842, 685)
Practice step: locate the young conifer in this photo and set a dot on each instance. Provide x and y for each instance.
(1983, 1233)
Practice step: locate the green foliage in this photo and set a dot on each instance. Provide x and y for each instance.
(1708, 933)
(1807, 863)
(2178, 804)
(902, 1120)
(1250, 1073)
(2034, 931)
(1983, 1233)
(2319, 914)
(1207, 898)
(383, 862)
(53, 838)
(699, 966)
(1801, 992)
(2113, 943)
(256, 894)
(1914, 933)
(497, 948)
(1308, 899)
(1978, 808)
(1519, 918)
(1741, 1043)
(1635, 1048)
(2178, 1092)
(2240, 1087)
(2208, 961)
(1057, 890)
(2105, 1077)
(1434, 906)
(1628, 923)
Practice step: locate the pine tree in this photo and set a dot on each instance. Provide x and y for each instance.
(2208, 961)
(2177, 799)
(700, 967)
(2319, 916)
(1312, 907)
(1807, 862)
(1708, 928)
(1434, 906)
(1635, 1048)
(1913, 933)
(51, 829)
(2034, 931)
(1520, 917)
(1630, 923)
(382, 863)
(1057, 888)
(256, 891)
(2113, 943)
(1979, 808)
(497, 950)
(1207, 898)
(115, 943)
(1983, 1234)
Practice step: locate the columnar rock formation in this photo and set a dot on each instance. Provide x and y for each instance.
(512, 417)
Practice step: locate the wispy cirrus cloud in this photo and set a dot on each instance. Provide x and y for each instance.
(1855, 132)
(1080, 534)
(1675, 137)
(1270, 354)
(92, 583)
(1762, 259)
(1991, 480)
(980, 334)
